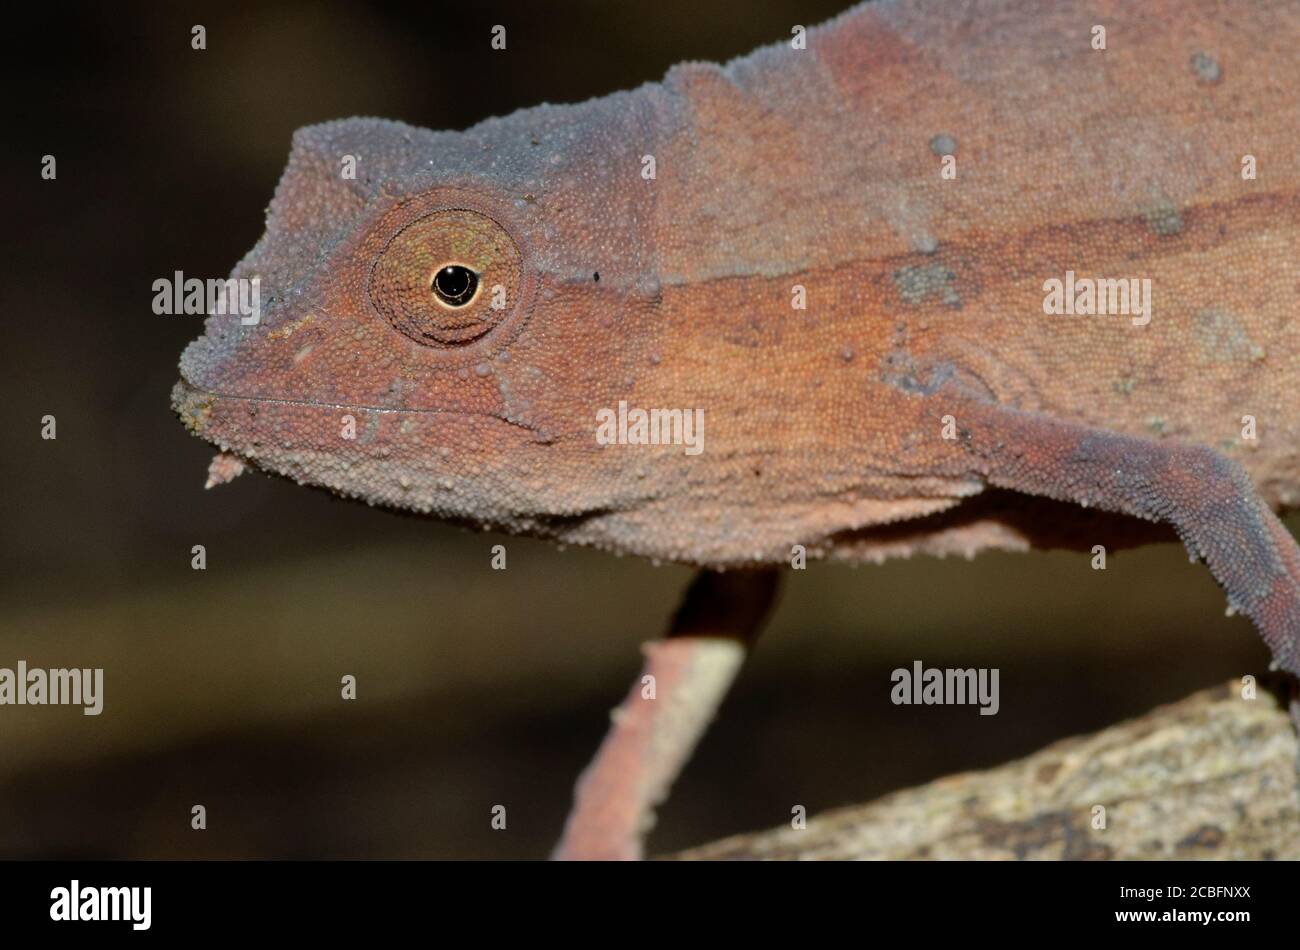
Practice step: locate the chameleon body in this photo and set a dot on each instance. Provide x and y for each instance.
(919, 171)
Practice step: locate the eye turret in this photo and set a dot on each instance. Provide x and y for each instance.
(448, 278)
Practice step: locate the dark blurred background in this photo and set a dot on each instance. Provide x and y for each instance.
(476, 687)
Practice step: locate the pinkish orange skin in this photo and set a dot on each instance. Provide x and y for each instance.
(817, 168)
(654, 730)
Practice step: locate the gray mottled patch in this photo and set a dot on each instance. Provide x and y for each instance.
(1223, 338)
(917, 282)
(943, 144)
(1206, 68)
(1162, 216)
(925, 242)
(899, 369)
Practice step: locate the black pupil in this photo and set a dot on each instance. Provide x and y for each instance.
(455, 285)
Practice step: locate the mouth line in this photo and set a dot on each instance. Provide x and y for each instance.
(310, 404)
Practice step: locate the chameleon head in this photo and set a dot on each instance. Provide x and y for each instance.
(426, 301)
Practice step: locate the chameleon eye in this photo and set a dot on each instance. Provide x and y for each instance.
(447, 278)
(455, 285)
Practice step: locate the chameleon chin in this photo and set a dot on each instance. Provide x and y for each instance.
(836, 250)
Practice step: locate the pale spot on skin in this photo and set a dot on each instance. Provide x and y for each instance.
(1206, 68)
(917, 282)
(943, 144)
(289, 329)
(1162, 216)
(1223, 338)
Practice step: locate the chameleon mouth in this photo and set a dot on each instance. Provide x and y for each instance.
(195, 405)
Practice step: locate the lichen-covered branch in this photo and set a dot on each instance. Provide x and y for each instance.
(1212, 776)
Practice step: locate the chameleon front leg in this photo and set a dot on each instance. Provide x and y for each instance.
(655, 729)
(1205, 496)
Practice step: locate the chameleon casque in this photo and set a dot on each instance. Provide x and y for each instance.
(474, 299)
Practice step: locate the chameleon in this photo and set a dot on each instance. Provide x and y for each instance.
(933, 277)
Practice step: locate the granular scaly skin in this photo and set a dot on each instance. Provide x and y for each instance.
(816, 168)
